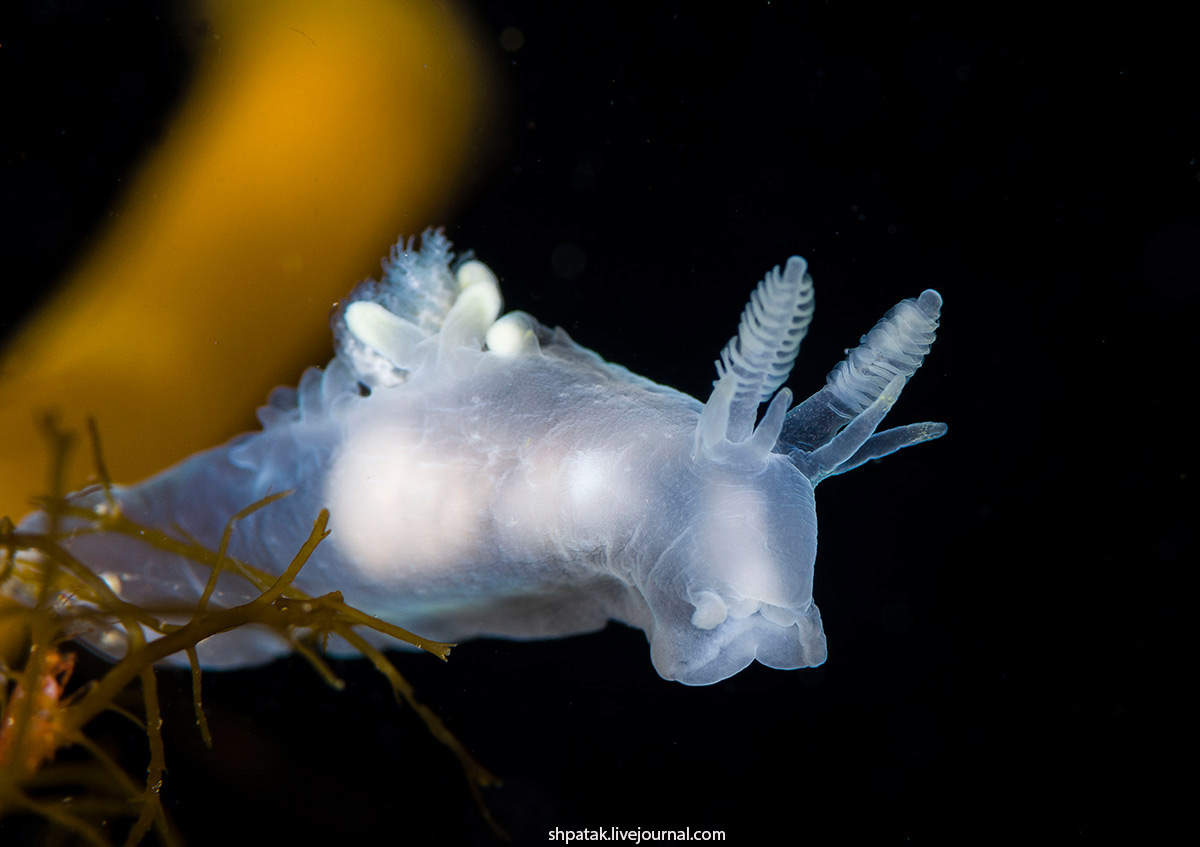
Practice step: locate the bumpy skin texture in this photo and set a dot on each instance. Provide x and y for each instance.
(492, 477)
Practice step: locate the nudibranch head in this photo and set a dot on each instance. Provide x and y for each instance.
(735, 585)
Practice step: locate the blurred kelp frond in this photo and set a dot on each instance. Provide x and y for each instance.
(48, 596)
(311, 134)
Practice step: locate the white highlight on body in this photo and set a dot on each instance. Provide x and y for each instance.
(399, 508)
(601, 492)
(590, 479)
(735, 538)
(574, 499)
(113, 640)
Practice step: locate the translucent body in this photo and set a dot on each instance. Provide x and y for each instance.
(492, 477)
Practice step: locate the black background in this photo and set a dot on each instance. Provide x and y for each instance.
(1004, 607)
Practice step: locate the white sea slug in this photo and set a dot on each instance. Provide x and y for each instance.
(487, 476)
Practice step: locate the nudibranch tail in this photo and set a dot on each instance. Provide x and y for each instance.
(860, 391)
(752, 367)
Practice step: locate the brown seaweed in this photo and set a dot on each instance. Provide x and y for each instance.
(59, 597)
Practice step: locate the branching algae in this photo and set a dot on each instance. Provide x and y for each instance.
(62, 597)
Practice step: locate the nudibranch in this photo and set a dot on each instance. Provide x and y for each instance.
(487, 476)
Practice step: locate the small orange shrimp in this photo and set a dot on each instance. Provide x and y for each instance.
(43, 731)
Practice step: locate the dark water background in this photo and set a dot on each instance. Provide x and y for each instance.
(1005, 607)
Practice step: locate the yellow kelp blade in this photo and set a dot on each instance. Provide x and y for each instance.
(314, 132)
